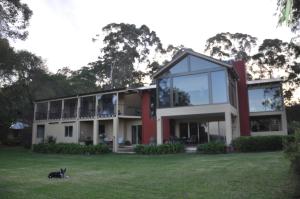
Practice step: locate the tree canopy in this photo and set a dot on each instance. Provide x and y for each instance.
(14, 19)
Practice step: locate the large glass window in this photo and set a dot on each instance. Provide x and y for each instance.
(217, 131)
(219, 91)
(180, 67)
(265, 99)
(164, 92)
(190, 90)
(200, 64)
(265, 123)
(106, 105)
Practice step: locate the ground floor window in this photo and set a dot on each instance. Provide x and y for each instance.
(68, 131)
(265, 123)
(201, 132)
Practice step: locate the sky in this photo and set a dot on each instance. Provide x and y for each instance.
(61, 31)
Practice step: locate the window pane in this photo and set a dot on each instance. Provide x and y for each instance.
(265, 123)
(66, 131)
(70, 131)
(180, 67)
(218, 80)
(190, 90)
(164, 92)
(200, 64)
(265, 99)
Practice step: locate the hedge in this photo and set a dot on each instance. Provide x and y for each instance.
(159, 149)
(212, 148)
(64, 148)
(259, 143)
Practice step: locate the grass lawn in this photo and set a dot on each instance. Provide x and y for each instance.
(23, 174)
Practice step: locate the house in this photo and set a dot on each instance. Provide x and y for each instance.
(196, 99)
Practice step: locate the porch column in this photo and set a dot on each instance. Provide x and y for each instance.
(62, 109)
(159, 133)
(95, 132)
(48, 110)
(33, 139)
(284, 123)
(228, 126)
(78, 131)
(115, 133)
(78, 108)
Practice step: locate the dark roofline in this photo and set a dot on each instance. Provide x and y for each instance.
(82, 94)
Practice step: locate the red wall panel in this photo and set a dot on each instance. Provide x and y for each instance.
(148, 123)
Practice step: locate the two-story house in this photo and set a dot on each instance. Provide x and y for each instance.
(196, 99)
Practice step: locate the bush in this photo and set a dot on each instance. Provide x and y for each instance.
(212, 148)
(259, 143)
(159, 149)
(71, 148)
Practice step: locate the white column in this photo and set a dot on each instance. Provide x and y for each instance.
(34, 111)
(159, 137)
(78, 107)
(33, 139)
(95, 132)
(284, 123)
(117, 105)
(48, 110)
(228, 126)
(115, 133)
(96, 107)
(78, 131)
(62, 108)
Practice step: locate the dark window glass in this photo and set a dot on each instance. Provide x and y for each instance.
(219, 91)
(106, 105)
(183, 130)
(200, 64)
(180, 67)
(265, 99)
(40, 131)
(190, 90)
(164, 93)
(217, 131)
(265, 123)
(68, 131)
(152, 103)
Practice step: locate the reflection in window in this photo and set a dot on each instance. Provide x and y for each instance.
(200, 64)
(265, 123)
(164, 92)
(217, 131)
(106, 105)
(265, 99)
(190, 90)
(180, 67)
(218, 81)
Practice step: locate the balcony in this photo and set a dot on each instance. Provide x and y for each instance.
(87, 113)
(40, 115)
(127, 110)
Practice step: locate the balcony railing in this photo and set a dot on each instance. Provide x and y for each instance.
(87, 112)
(54, 115)
(129, 110)
(69, 114)
(40, 115)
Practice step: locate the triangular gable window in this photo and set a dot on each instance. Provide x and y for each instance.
(180, 67)
(201, 64)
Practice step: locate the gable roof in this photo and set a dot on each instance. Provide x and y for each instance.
(184, 52)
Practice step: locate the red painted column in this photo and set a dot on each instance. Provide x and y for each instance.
(243, 99)
(148, 123)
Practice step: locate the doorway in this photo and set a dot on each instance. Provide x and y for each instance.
(136, 133)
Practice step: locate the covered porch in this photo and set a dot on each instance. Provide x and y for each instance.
(197, 125)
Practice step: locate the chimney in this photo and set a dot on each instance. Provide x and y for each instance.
(243, 100)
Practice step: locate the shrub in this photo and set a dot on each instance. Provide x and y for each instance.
(212, 148)
(259, 143)
(51, 140)
(159, 149)
(70, 148)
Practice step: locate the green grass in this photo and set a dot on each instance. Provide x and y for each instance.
(23, 174)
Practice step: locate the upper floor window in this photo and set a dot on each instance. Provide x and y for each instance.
(265, 99)
(190, 90)
(218, 82)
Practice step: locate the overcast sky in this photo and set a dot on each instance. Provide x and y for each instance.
(61, 31)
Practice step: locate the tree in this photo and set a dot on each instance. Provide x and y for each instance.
(289, 13)
(127, 52)
(278, 58)
(14, 19)
(230, 45)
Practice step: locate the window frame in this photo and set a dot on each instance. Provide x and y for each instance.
(68, 131)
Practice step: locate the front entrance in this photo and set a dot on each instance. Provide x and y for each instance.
(136, 132)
